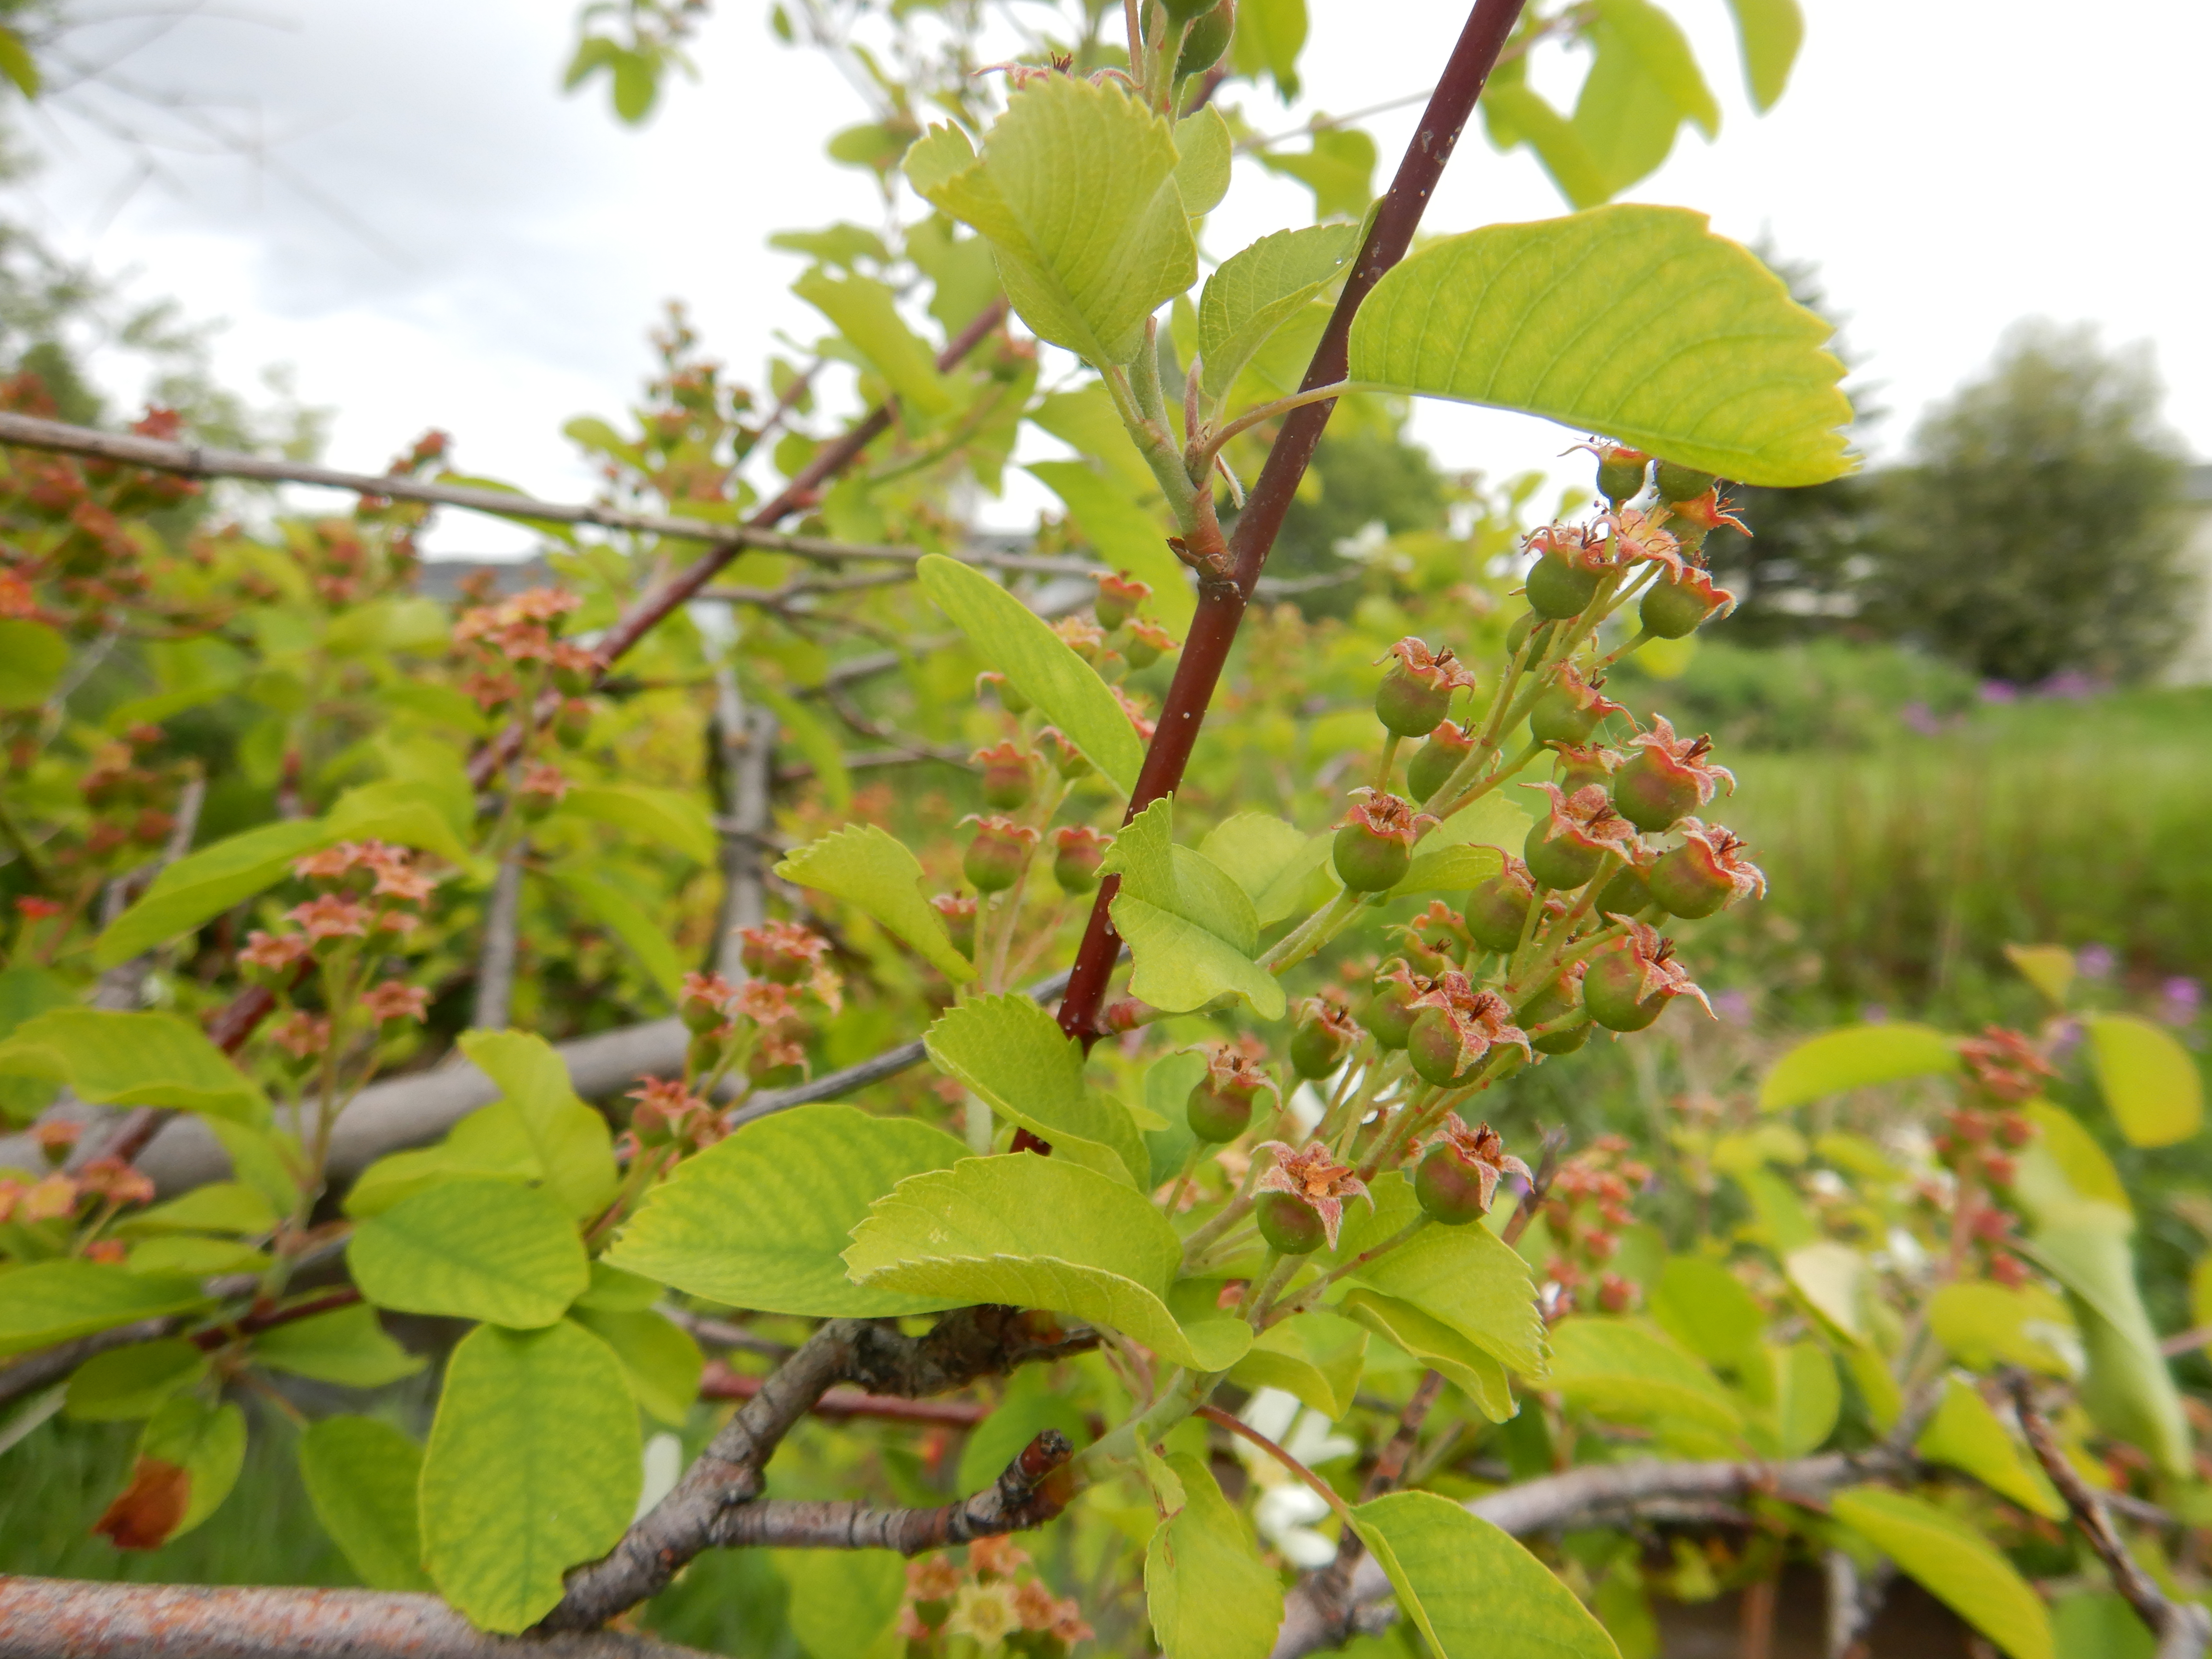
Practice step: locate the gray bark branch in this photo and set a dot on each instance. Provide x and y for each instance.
(495, 957)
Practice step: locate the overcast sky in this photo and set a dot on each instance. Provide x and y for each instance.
(437, 236)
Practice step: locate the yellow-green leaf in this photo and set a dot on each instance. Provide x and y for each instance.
(1703, 1306)
(865, 312)
(1476, 1374)
(1636, 322)
(50, 1302)
(134, 1060)
(1014, 1055)
(1628, 1371)
(1124, 535)
(1966, 1434)
(661, 1361)
(347, 1346)
(758, 1219)
(1209, 1594)
(533, 1467)
(866, 867)
(1258, 290)
(1855, 1057)
(1770, 33)
(1466, 1277)
(570, 1140)
(1955, 1564)
(2149, 1080)
(472, 1249)
(1317, 1357)
(361, 1475)
(667, 818)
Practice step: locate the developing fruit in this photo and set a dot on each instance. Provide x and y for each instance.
(1394, 1007)
(1675, 607)
(1009, 776)
(996, 858)
(1374, 848)
(1666, 778)
(1630, 890)
(1620, 472)
(1528, 622)
(959, 912)
(1416, 694)
(1077, 851)
(1324, 1034)
(1705, 873)
(1289, 1224)
(1220, 1105)
(1457, 1027)
(1498, 910)
(1564, 578)
(1678, 483)
(1302, 1197)
(1448, 745)
(1458, 1179)
(1570, 709)
(1119, 596)
(1208, 40)
(1565, 847)
(1629, 984)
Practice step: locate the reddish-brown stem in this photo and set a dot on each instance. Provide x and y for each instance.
(720, 1383)
(1221, 604)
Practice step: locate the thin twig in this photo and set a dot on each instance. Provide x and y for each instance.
(1547, 1171)
(2182, 1628)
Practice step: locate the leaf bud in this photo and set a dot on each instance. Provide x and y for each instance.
(1000, 853)
(1077, 851)
(1438, 758)
(1416, 695)
(1119, 596)
(1374, 849)
(1678, 483)
(1620, 472)
(1322, 1037)
(1009, 775)
(1498, 910)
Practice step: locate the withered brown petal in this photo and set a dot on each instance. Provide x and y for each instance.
(147, 1511)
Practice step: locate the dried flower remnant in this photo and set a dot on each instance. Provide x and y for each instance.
(1457, 1181)
(1310, 1181)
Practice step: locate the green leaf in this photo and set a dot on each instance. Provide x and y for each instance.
(2129, 1388)
(1037, 1232)
(1087, 421)
(1626, 1371)
(208, 1443)
(489, 1144)
(1663, 51)
(614, 905)
(1123, 534)
(1019, 643)
(1513, 113)
(1014, 1055)
(659, 1357)
(1806, 1398)
(410, 812)
(865, 312)
(1770, 31)
(348, 1345)
(184, 1252)
(1855, 1057)
(1176, 878)
(17, 64)
(1075, 191)
(221, 1207)
(1270, 35)
(24, 993)
(1985, 1325)
(2149, 1080)
(758, 1219)
(2048, 968)
(1706, 1308)
(1337, 166)
(134, 1060)
(361, 1475)
(533, 1467)
(123, 1384)
(1204, 151)
(1209, 1594)
(1467, 1277)
(203, 884)
(573, 1146)
(1030, 1405)
(1470, 1589)
(1831, 1278)
(2063, 1166)
(1624, 117)
(1256, 849)
(842, 1601)
(1436, 1345)
(812, 737)
(843, 244)
(34, 655)
(1191, 928)
(1955, 1564)
(50, 1302)
(1258, 290)
(614, 1291)
(1633, 321)
(667, 818)
(472, 1249)
(1315, 1357)
(863, 866)
(262, 1158)
(1966, 1434)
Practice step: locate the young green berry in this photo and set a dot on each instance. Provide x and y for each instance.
(1009, 776)
(1185, 11)
(1621, 473)
(1564, 848)
(1457, 1028)
(1119, 596)
(1705, 873)
(1289, 1224)
(1437, 759)
(1565, 1041)
(1323, 1036)
(1067, 759)
(704, 1004)
(1559, 591)
(1581, 764)
(1077, 851)
(1678, 483)
(1148, 642)
(958, 911)
(1666, 778)
(1219, 1107)
(1676, 607)
(1629, 984)
(1497, 909)
(1009, 694)
(1000, 853)
(1374, 849)
(1457, 1181)
(1527, 623)
(1570, 709)
(1396, 1005)
(1629, 892)
(1208, 40)
(1416, 695)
